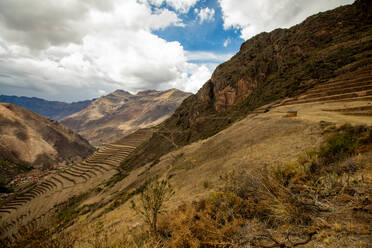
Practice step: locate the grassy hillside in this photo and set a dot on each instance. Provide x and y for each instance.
(268, 67)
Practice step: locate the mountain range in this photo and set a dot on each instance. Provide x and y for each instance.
(51, 109)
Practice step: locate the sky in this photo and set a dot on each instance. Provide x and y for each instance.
(72, 50)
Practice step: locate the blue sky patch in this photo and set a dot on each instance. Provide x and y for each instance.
(209, 35)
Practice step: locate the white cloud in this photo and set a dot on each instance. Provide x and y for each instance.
(182, 6)
(253, 17)
(207, 56)
(205, 14)
(199, 75)
(110, 47)
(102, 92)
(40, 23)
(227, 42)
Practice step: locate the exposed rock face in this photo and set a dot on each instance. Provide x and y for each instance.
(110, 117)
(269, 67)
(228, 96)
(51, 109)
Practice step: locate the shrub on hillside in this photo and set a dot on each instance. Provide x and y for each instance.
(152, 199)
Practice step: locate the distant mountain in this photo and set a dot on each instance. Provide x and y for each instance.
(110, 117)
(28, 139)
(51, 109)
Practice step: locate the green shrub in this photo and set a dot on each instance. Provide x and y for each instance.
(345, 142)
(206, 184)
(152, 199)
(116, 178)
(337, 146)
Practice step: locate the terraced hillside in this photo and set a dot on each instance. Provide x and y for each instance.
(32, 206)
(353, 86)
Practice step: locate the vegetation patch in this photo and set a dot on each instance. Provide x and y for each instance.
(69, 210)
(127, 195)
(9, 170)
(116, 178)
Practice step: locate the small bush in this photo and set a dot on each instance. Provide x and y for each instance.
(152, 199)
(337, 146)
(118, 177)
(345, 142)
(206, 184)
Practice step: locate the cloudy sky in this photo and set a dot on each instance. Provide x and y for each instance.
(72, 50)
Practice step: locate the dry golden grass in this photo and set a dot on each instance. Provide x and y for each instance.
(291, 205)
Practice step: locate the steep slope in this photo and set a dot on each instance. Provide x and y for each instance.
(119, 113)
(51, 109)
(28, 139)
(268, 67)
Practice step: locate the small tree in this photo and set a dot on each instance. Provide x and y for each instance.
(151, 202)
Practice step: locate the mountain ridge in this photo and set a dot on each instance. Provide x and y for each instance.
(112, 116)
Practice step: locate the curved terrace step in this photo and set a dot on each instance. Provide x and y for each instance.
(347, 96)
(339, 90)
(91, 169)
(318, 88)
(88, 173)
(95, 165)
(66, 178)
(107, 158)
